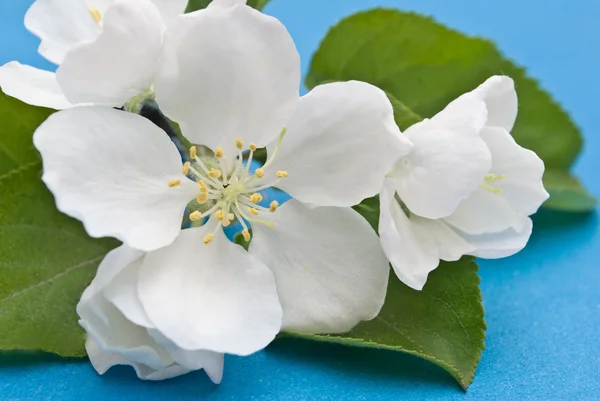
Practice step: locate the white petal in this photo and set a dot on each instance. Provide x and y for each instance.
(484, 212)
(60, 24)
(111, 170)
(411, 250)
(502, 244)
(248, 89)
(448, 161)
(111, 266)
(120, 336)
(32, 86)
(500, 98)
(170, 9)
(121, 291)
(211, 362)
(328, 264)
(103, 361)
(215, 297)
(339, 145)
(450, 244)
(226, 3)
(121, 63)
(522, 188)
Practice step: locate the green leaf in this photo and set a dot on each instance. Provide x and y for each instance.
(567, 193)
(195, 5)
(442, 324)
(46, 258)
(426, 65)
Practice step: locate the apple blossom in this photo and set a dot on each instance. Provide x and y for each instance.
(467, 188)
(230, 77)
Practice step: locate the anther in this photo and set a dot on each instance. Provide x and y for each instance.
(95, 14)
(253, 146)
(218, 152)
(260, 172)
(214, 173)
(219, 215)
(202, 198)
(253, 211)
(282, 174)
(186, 168)
(208, 239)
(193, 152)
(239, 143)
(195, 216)
(246, 234)
(174, 183)
(256, 197)
(273, 206)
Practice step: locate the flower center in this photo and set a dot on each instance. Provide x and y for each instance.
(489, 178)
(227, 189)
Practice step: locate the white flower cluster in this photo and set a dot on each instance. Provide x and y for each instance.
(168, 300)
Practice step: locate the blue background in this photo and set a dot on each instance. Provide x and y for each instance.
(542, 306)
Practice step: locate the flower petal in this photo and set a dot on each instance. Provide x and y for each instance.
(500, 97)
(485, 212)
(215, 297)
(448, 162)
(32, 86)
(328, 264)
(339, 145)
(226, 3)
(450, 244)
(249, 88)
(502, 244)
(102, 361)
(111, 170)
(121, 63)
(211, 362)
(60, 24)
(522, 186)
(411, 251)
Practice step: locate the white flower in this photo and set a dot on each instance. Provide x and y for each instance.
(115, 41)
(230, 77)
(120, 333)
(467, 188)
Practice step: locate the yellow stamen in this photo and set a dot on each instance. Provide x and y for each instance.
(208, 239)
(219, 215)
(239, 143)
(256, 197)
(260, 172)
(215, 173)
(253, 146)
(282, 174)
(246, 234)
(174, 183)
(193, 152)
(186, 168)
(95, 14)
(492, 189)
(493, 177)
(230, 216)
(195, 216)
(273, 206)
(218, 152)
(253, 211)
